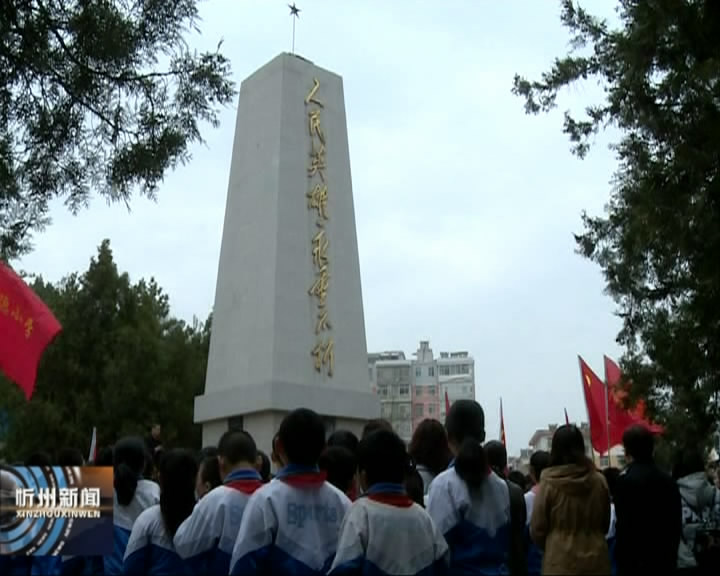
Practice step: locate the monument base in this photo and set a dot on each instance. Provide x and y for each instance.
(260, 409)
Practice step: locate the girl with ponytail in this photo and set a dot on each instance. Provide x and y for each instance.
(132, 496)
(150, 549)
(469, 503)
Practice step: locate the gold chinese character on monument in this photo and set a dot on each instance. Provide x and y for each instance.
(323, 322)
(318, 199)
(324, 355)
(28, 327)
(317, 162)
(16, 315)
(315, 126)
(320, 244)
(319, 288)
(310, 98)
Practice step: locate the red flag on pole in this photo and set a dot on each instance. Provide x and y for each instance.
(27, 326)
(447, 403)
(594, 390)
(567, 420)
(620, 418)
(502, 425)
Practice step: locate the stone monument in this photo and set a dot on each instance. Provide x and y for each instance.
(288, 328)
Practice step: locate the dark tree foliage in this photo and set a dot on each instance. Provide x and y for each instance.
(96, 96)
(120, 363)
(659, 240)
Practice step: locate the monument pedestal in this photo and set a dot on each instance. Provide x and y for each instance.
(288, 326)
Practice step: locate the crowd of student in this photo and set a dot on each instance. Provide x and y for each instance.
(443, 505)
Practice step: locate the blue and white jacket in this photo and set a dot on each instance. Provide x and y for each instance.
(150, 549)
(147, 494)
(290, 526)
(206, 539)
(534, 553)
(476, 527)
(386, 533)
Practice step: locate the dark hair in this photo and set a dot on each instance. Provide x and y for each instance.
(429, 446)
(344, 438)
(129, 459)
(688, 461)
(104, 456)
(611, 477)
(383, 458)
(39, 459)
(496, 456)
(302, 435)
(178, 470)
(639, 443)
(208, 451)
(568, 446)
(374, 426)
(340, 465)
(415, 487)
(237, 446)
(538, 462)
(517, 477)
(70, 457)
(210, 471)
(465, 425)
(264, 467)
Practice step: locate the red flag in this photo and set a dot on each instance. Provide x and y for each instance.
(447, 403)
(502, 425)
(567, 420)
(594, 391)
(620, 418)
(27, 326)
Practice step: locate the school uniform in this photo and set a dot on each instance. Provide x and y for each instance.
(386, 533)
(290, 526)
(206, 539)
(147, 494)
(476, 526)
(611, 541)
(150, 549)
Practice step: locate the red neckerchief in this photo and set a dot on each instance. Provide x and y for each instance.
(245, 486)
(302, 477)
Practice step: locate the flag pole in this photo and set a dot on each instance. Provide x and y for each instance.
(582, 381)
(607, 414)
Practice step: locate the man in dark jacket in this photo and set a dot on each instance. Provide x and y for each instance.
(497, 458)
(647, 509)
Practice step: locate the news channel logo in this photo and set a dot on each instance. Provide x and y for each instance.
(46, 511)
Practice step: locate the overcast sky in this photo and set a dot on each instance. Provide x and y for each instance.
(465, 206)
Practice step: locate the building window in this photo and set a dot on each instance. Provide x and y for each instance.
(431, 390)
(431, 410)
(604, 461)
(404, 390)
(431, 371)
(370, 373)
(418, 372)
(235, 423)
(444, 370)
(419, 410)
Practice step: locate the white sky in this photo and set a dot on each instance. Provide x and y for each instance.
(465, 206)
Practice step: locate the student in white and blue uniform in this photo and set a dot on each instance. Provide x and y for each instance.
(538, 462)
(469, 503)
(206, 539)
(385, 532)
(133, 495)
(150, 548)
(291, 525)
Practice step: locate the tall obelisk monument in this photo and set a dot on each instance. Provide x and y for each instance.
(288, 327)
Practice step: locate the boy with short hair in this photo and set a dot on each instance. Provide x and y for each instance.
(206, 539)
(290, 526)
(385, 532)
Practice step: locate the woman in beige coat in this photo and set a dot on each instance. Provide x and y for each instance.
(571, 513)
